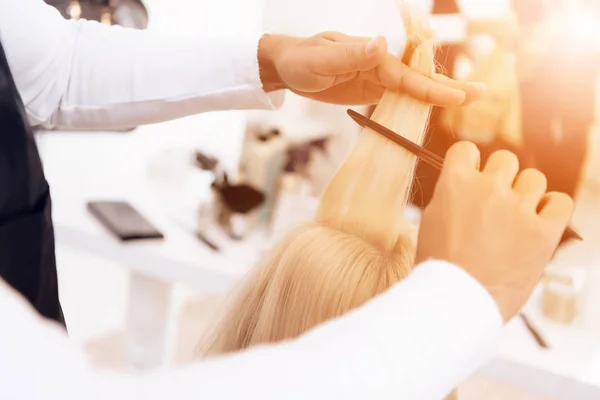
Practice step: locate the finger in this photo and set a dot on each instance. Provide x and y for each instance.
(342, 37)
(531, 186)
(372, 93)
(341, 78)
(474, 90)
(462, 156)
(503, 166)
(557, 208)
(337, 58)
(396, 76)
(367, 93)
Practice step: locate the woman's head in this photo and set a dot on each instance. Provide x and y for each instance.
(357, 245)
(315, 273)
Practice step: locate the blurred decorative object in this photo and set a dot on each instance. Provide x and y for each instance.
(299, 156)
(497, 115)
(591, 179)
(106, 17)
(232, 201)
(263, 159)
(317, 136)
(127, 13)
(558, 101)
(535, 333)
(562, 287)
(291, 154)
(240, 198)
(74, 10)
(206, 162)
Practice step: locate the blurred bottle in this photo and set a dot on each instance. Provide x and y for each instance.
(562, 288)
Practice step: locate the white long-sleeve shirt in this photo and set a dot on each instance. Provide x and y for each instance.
(416, 341)
(83, 75)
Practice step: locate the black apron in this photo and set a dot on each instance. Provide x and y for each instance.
(27, 259)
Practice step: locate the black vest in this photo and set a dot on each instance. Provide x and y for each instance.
(27, 260)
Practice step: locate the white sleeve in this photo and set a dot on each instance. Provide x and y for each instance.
(87, 75)
(416, 341)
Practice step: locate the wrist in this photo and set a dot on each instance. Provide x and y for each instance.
(269, 49)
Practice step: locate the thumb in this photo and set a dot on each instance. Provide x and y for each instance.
(348, 57)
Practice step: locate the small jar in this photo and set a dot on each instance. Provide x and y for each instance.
(561, 291)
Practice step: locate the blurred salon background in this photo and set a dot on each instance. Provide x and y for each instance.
(220, 187)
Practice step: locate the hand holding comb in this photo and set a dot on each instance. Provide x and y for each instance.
(427, 156)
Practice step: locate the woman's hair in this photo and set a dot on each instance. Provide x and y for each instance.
(357, 245)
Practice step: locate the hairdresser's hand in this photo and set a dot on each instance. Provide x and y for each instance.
(336, 68)
(501, 233)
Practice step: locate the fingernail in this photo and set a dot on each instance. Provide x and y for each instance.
(372, 46)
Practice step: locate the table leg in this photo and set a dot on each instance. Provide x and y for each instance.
(147, 322)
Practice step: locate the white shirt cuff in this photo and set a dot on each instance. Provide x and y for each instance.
(272, 100)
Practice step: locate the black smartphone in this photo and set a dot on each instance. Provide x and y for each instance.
(123, 220)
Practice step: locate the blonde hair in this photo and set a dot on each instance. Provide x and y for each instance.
(357, 245)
